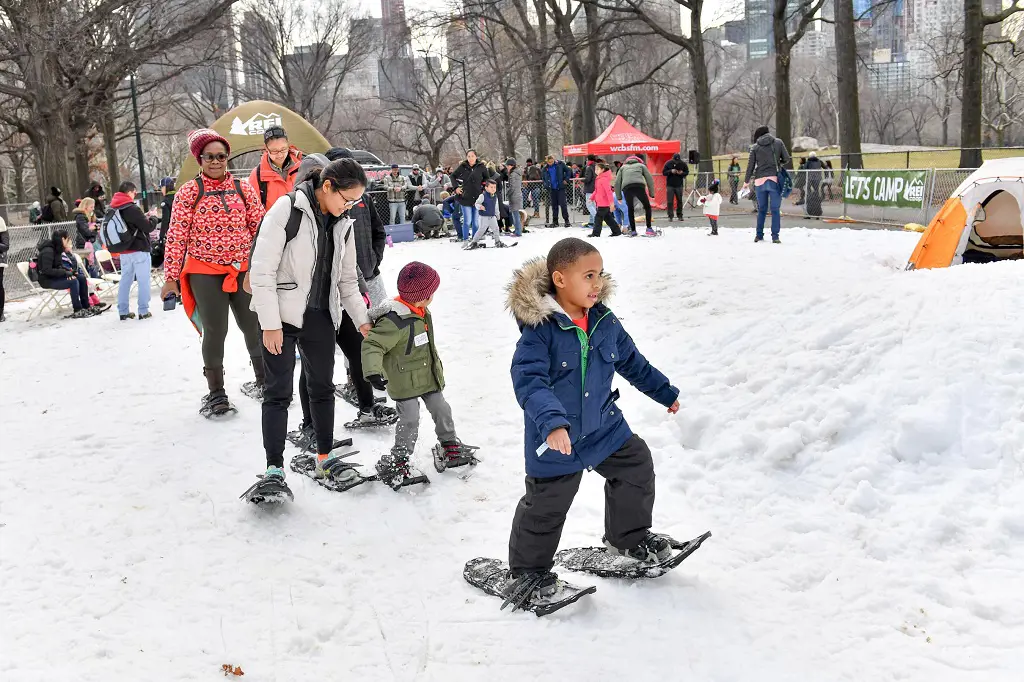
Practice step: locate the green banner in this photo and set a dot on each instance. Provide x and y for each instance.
(898, 188)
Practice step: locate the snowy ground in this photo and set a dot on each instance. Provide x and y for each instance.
(852, 435)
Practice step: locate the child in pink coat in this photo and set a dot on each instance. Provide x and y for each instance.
(604, 198)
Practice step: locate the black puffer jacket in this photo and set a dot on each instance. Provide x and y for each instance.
(48, 262)
(371, 239)
(672, 179)
(471, 180)
(589, 177)
(83, 234)
(766, 156)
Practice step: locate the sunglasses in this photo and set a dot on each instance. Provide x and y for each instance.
(210, 158)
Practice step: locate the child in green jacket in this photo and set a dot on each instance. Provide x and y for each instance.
(399, 355)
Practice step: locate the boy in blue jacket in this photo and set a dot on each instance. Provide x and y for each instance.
(571, 347)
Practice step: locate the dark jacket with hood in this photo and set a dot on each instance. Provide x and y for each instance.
(49, 264)
(814, 169)
(96, 193)
(589, 176)
(134, 218)
(58, 206)
(676, 163)
(562, 376)
(165, 214)
(471, 180)
(767, 155)
(556, 175)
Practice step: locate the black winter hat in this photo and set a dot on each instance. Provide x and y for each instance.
(763, 130)
(55, 191)
(510, 162)
(335, 153)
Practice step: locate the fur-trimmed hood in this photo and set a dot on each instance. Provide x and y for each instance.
(529, 298)
(388, 306)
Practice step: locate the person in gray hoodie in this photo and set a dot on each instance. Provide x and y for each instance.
(767, 155)
(515, 194)
(634, 181)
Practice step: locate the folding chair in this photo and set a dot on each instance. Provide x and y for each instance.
(49, 299)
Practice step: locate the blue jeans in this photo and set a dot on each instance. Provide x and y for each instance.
(622, 215)
(470, 221)
(534, 198)
(396, 212)
(769, 192)
(516, 221)
(592, 207)
(77, 286)
(135, 266)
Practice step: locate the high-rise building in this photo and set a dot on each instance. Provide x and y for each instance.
(257, 51)
(397, 37)
(759, 28)
(736, 31)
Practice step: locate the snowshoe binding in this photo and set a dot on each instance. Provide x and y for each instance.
(254, 390)
(610, 562)
(304, 438)
(333, 472)
(377, 417)
(347, 392)
(269, 488)
(394, 471)
(540, 592)
(216, 405)
(451, 454)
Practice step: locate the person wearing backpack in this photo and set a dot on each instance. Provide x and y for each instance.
(56, 209)
(276, 173)
(214, 220)
(134, 248)
(766, 165)
(316, 255)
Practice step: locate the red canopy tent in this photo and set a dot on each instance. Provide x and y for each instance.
(620, 138)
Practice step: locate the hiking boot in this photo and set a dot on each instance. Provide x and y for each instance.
(145, 316)
(652, 548)
(129, 316)
(393, 468)
(274, 472)
(758, 239)
(776, 240)
(378, 415)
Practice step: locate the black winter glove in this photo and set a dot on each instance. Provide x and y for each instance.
(378, 381)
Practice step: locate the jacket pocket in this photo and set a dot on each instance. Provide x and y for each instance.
(610, 401)
(287, 286)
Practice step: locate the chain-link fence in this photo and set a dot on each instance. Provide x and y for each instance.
(24, 239)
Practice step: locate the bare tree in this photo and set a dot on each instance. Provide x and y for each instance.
(790, 19)
(942, 90)
(976, 21)
(1003, 101)
(307, 76)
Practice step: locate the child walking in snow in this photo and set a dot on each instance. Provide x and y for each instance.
(603, 197)
(713, 205)
(571, 347)
(488, 207)
(399, 355)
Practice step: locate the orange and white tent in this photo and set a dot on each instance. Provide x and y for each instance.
(980, 222)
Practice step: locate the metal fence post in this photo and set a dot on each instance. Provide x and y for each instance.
(931, 196)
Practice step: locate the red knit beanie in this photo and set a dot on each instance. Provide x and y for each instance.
(198, 139)
(417, 282)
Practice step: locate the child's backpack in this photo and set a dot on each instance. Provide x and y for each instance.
(115, 233)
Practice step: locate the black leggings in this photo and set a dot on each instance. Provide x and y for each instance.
(212, 304)
(631, 192)
(604, 217)
(316, 347)
(351, 343)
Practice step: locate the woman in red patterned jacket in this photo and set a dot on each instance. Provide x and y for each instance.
(214, 220)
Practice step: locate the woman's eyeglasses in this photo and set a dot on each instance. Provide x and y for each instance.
(210, 158)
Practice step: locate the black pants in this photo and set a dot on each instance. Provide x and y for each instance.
(558, 200)
(316, 346)
(3, 293)
(605, 217)
(212, 303)
(674, 196)
(628, 507)
(639, 192)
(78, 290)
(351, 343)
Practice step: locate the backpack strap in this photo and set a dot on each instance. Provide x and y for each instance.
(263, 185)
(291, 228)
(241, 194)
(202, 191)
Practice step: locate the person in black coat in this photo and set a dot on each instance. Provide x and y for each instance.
(814, 171)
(469, 184)
(56, 267)
(97, 194)
(5, 245)
(675, 172)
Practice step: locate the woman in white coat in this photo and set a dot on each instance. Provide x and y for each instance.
(303, 278)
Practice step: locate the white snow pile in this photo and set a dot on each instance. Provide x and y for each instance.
(852, 435)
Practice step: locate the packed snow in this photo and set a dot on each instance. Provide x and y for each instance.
(852, 434)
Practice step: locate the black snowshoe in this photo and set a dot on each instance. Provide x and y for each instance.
(347, 392)
(253, 390)
(394, 471)
(269, 488)
(335, 473)
(304, 438)
(614, 563)
(540, 593)
(377, 417)
(454, 454)
(216, 405)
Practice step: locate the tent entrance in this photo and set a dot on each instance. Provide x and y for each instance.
(996, 233)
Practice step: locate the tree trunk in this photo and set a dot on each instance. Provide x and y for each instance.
(3, 204)
(81, 166)
(848, 93)
(540, 106)
(18, 164)
(584, 120)
(110, 142)
(970, 116)
(50, 143)
(701, 94)
(783, 95)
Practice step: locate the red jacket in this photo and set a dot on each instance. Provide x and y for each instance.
(603, 195)
(264, 176)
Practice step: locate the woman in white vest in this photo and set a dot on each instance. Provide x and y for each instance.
(303, 275)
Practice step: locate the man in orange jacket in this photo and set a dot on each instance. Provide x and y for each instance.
(275, 175)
